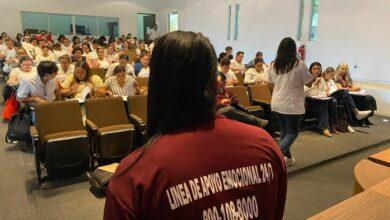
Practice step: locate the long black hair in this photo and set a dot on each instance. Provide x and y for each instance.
(286, 57)
(315, 64)
(182, 82)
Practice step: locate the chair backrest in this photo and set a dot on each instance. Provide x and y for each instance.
(100, 72)
(240, 79)
(58, 117)
(138, 105)
(142, 81)
(241, 93)
(106, 111)
(260, 92)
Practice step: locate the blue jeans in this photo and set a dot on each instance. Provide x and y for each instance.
(327, 116)
(289, 127)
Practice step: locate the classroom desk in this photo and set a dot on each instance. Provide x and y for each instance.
(371, 204)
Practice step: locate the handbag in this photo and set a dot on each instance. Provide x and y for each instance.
(11, 107)
(19, 126)
(7, 92)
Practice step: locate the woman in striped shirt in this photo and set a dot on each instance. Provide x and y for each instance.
(120, 83)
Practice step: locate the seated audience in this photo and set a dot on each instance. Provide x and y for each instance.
(182, 121)
(74, 84)
(251, 64)
(120, 83)
(91, 56)
(228, 105)
(39, 87)
(102, 63)
(363, 101)
(257, 74)
(237, 66)
(231, 79)
(118, 44)
(111, 55)
(65, 68)
(17, 74)
(77, 54)
(76, 42)
(327, 108)
(143, 70)
(57, 51)
(123, 61)
(45, 55)
(8, 52)
(12, 63)
(229, 52)
(344, 98)
(66, 47)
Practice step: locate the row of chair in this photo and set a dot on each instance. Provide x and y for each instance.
(64, 146)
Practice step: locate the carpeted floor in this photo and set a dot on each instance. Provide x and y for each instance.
(315, 182)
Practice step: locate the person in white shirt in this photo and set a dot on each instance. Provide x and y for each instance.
(39, 87)
(65, 67)
(145, 70)
(123, 61)
(14, 62)
(231, 79)
(153, 33)
(102, 63)
(287, 76)
(17, 74)
(257, 74)
(66, 46)
(118, 44)
(111, 56)
(8, 52)
(57, 51)
(26, 44)
(45, 55)
(120, 83)
(237, 66)
(88, 53)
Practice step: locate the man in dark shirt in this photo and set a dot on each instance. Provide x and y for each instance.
(197, 165)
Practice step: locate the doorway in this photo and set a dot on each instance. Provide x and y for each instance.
(145, 22)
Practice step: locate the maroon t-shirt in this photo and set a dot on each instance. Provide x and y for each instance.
(220, 170)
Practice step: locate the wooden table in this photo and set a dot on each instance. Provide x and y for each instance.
(371, 204)
(367, 174)
(381, 157)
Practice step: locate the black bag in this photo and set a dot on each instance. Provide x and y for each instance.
(99, 180)
(7, 92)
(19, 126)
(342, 122)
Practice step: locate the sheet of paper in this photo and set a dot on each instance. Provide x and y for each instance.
(361, 92)
(84, 93)
(109, 168)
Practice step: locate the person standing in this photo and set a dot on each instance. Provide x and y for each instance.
(288, 76)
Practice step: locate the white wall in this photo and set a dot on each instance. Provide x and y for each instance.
(259, 22)
(126, 10)
(356, 32)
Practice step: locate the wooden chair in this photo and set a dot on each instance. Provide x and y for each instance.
(243, 98)
(137, 106)
(240, 79)
(143, 84)
(110, 132)
(60, 141)
(260, 94)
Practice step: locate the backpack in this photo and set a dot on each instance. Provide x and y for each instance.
(342, 122)
(19, 126)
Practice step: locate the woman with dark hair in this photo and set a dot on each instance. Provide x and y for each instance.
(287, 76)
(189, 145)
(77, 54)
(121, 83)
(74, 84)
(318, 103)
(18, 40)
(61, 39)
